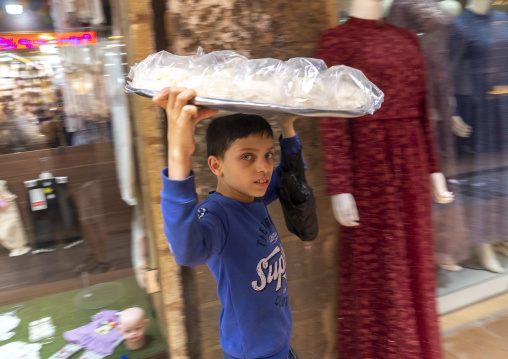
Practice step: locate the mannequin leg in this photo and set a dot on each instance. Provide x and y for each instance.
(487, 258)
(501, 248)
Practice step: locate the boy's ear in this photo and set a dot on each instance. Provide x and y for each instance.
(215, 165)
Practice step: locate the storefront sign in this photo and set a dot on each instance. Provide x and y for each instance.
(34, 41)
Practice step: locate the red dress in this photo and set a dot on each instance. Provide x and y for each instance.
(386, 280)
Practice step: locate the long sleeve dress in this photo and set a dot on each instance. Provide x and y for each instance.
(386, 282)
(479, 63)
(432, 23)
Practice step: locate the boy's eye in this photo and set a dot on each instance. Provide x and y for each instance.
(247, 157)
(269, 155)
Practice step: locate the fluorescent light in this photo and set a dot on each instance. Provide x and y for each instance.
(49, 49)
(14, 9)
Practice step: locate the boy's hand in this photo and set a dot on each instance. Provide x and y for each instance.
(286, 126)
(182, 120)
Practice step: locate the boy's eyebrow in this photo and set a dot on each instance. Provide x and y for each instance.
(254, 149)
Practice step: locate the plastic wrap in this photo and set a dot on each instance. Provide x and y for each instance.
(229, 81)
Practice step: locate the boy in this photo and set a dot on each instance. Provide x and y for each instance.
(231, 229)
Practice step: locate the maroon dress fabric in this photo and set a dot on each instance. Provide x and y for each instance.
(386, 279)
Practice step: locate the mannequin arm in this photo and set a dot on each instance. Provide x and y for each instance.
(460, 128)
(344, 209)
(439, 189)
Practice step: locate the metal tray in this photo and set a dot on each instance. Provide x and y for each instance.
(254, 107)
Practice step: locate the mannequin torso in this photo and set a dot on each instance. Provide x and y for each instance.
(344, 205)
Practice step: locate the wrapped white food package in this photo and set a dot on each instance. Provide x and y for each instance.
(306, 84)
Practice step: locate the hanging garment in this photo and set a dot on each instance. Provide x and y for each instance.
(122, 133)
(386, 281)
(52, 208)
(99, 336)
(426, 18)
(20, 350)
(8, 322)
(12, 232)
(90, 11)
(139, 247)
(478, 54)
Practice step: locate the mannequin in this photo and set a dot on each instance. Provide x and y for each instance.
(12, 232)
(432, 24)
(381, 171)
(344, 205)
(452, 7)
(478, 50)
(132, 326)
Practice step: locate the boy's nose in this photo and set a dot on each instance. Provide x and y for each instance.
(263, 165)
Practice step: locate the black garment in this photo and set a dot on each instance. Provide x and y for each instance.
(59, 216)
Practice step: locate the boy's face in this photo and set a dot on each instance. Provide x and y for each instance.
(246, 169)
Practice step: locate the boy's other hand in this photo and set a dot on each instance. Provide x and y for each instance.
(286, 126)
(182, 120)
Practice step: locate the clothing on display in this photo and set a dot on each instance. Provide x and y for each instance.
(52, 208)
(12, 138)
(20, 350)
(12, 232)
(100, 335)
(67, 351)
(139, 248)
(89, 11)
(122, 133)
(478, 55)
(433, 24)
(8, 322)
(41, 329)
(386, 277)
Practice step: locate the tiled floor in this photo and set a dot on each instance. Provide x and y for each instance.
(477, 332)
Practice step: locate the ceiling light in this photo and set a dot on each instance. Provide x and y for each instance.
(14, 9)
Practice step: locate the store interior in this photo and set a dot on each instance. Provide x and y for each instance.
(66, 250)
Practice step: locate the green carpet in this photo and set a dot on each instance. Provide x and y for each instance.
(66, 316)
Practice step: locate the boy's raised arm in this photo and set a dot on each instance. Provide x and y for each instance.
(178, 197)
(182, 120)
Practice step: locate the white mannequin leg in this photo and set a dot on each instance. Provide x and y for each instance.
(487, 258)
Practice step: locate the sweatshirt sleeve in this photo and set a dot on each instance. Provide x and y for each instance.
(193, 238)
(289, 145)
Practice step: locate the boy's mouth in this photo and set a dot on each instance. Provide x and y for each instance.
(262, 181)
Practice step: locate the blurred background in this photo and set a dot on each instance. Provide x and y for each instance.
(80, 224)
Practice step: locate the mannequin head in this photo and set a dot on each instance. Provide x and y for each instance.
(480, 6)
(132, 325)
(451, 7)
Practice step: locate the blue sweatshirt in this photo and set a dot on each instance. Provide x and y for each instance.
(243, 250)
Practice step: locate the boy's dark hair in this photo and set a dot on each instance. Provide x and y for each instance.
(223, 131)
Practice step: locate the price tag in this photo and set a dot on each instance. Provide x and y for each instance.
(37, 199)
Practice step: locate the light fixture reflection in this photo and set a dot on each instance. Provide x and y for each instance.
(14, 9)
